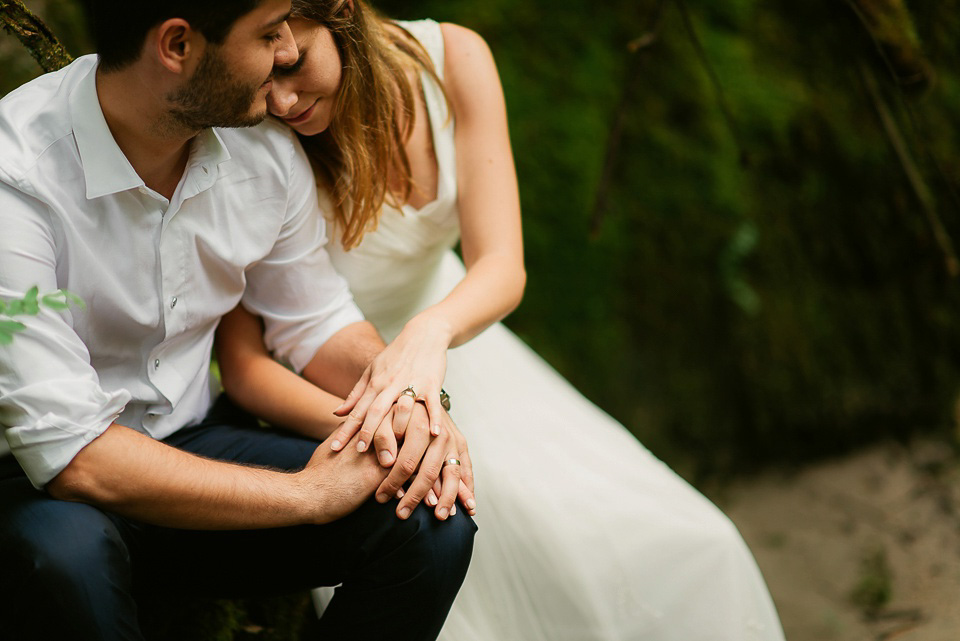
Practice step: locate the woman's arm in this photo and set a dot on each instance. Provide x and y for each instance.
(264, 387)
(488, 200)
(492, 244)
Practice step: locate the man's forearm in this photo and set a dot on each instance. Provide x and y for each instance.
(339, 363)
(125, 472)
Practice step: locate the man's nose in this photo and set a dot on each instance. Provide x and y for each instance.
(281, 98)
(286, 52)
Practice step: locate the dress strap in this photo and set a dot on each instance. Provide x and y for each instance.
(430, 36)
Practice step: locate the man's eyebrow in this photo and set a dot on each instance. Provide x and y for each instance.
(276, 22)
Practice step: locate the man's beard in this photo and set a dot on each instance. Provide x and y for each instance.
(214, 97)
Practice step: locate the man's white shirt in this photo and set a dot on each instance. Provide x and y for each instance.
(156, 275)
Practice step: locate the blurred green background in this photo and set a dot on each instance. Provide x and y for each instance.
(739, 215)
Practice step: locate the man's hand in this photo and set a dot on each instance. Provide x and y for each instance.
(338, 483)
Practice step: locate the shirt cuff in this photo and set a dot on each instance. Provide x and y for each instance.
(48, 444)
(306, 347)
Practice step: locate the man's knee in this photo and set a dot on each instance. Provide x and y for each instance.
(442, 548)
(57, 547)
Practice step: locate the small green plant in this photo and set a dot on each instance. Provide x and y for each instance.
(30, 305)
(875, 586)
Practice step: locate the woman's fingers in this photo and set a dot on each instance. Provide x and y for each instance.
(352, 423)
(450, 477)
(354, 395)
(434, 411)
(432, 495)
(466, 496)
(466, 469)
(426, 476)
(416, 441)
(376, 412)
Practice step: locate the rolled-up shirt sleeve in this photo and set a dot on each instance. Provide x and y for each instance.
(302, 299)
(51, 400)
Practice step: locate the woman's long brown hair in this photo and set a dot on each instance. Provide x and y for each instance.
(373, 117)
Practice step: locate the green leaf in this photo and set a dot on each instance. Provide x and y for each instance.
(53, 302)
(61, 300)
(8, 328)
(30, 304)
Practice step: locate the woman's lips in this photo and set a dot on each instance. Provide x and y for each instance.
(303, 116)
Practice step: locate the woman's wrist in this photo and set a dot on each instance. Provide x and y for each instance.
(434, 325)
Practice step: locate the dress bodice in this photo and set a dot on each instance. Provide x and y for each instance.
(399, 268)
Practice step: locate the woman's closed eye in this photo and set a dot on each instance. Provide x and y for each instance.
(289, 70)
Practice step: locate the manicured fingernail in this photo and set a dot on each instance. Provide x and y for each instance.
(382, 498)
(431, 498)
(400, 493)
(361, 446)
(335, 445)
(386, 458)
(435, 430)
(453, 510)
(404, 512)
(444, 513)
(471, 504)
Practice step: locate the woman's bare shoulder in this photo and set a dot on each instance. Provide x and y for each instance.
(469, 69)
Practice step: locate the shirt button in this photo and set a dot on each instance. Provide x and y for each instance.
(173, 302)
(204, 168)
(156, 363)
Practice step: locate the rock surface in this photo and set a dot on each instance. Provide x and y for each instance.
(863, 548)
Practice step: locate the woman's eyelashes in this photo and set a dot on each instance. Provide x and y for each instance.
(289, 70)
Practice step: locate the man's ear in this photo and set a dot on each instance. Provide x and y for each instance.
(176, 44)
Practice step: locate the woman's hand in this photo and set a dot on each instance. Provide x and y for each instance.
(416, 359)
(439, 482)
(445, 474)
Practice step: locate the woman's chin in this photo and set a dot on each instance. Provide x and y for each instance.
(310, 128)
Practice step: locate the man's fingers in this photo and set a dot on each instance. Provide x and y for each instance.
(402, 414)
(385, 443)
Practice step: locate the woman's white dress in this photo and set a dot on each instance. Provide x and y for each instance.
(583, 534)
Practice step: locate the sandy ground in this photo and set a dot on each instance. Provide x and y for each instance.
(864, 548)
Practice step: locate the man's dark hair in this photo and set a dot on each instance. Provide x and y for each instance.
(119, 27)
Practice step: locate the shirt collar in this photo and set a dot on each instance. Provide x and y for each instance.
(106, 170)
(209, 149)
